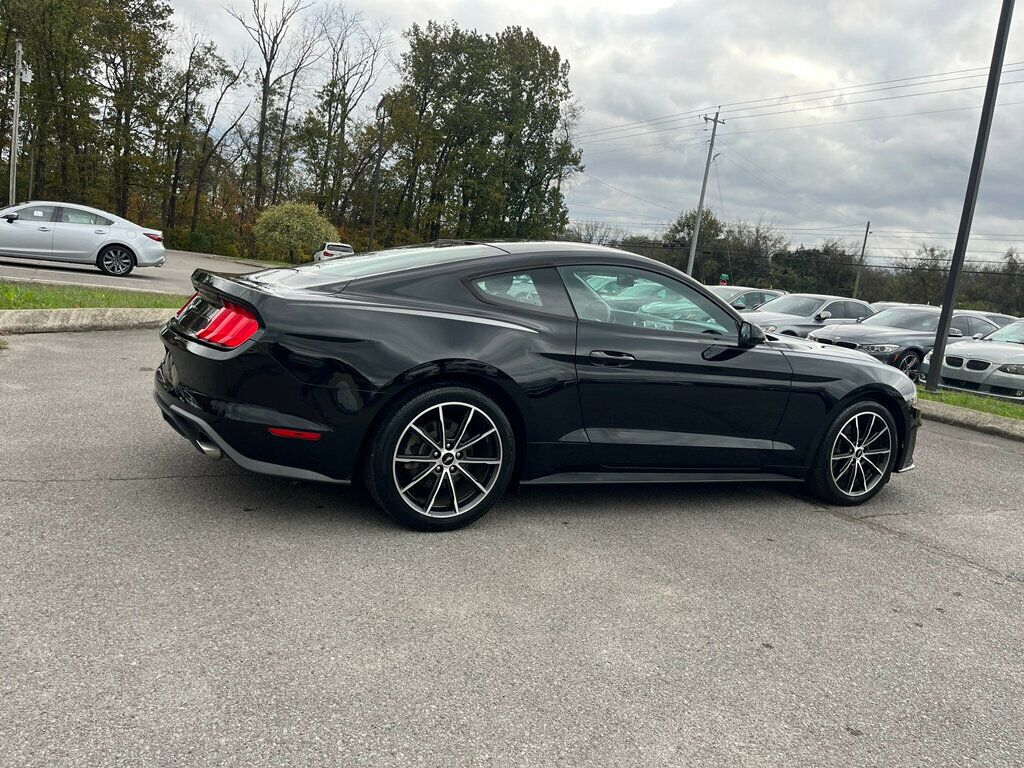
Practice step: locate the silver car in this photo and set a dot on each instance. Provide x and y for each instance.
(992, 365)
(797, 314)
(80, 235)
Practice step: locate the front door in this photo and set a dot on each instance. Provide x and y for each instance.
(669, 385)
(30, 235)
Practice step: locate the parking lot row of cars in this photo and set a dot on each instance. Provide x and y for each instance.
(986, 353)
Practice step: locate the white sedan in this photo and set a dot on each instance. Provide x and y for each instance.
(80, 235)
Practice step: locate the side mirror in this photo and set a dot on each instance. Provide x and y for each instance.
(956, 332)
(751, 335)
(11, 217)
(978, 336)
(739, 305)
(823, 316)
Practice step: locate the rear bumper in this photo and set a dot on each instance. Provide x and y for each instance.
(231, 402)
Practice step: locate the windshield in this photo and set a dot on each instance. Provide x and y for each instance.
(794, 304)
(724, 292)
(1013, 333)
(906, 318)
(643, 289)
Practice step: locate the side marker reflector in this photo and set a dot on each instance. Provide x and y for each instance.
(296, 434)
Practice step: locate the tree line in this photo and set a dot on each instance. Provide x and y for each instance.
(133, 113)
(759, 254)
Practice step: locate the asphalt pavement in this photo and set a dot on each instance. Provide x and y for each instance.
(173, 277)
(160, 608)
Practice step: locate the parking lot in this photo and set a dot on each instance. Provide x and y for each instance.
(159, 608)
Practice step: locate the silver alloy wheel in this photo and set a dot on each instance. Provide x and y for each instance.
(447, 459)
(117, 261)
(860, 453)
(910, 365)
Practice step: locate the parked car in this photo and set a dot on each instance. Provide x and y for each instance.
(902, 336)
(333, 251)
(78, 234)
(434, 384)
(993, 365)
(797, 314)
(744, 299)
(1000, 319)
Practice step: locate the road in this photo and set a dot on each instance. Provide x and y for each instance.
(172, 277)
(160, 608)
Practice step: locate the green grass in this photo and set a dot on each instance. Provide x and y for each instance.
(18, 295)
(975, 402)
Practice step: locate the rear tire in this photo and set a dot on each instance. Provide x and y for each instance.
(116, 261)
(857, 455)
(459, 452)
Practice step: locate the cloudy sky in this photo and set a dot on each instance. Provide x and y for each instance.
(824, 127)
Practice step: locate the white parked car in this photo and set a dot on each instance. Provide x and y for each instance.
(78, 234)
(333, 251)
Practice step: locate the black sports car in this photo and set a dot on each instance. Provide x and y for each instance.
(441, 375)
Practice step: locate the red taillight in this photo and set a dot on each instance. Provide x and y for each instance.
(157, 237)
(231, 326)
(328, 254)
(297, 434)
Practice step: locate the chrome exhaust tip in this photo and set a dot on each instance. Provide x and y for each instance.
(207, 446)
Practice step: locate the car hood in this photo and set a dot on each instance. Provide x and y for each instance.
(825, 350)
(993, 351)
(771, 318)
(873, 334)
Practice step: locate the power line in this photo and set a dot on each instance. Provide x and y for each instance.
(613, 210)
(697, 112)
(630, 194)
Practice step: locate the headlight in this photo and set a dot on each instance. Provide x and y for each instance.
(1015, 368)
(770, 328)
(880, 349)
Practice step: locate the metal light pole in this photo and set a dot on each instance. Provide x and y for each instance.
(971, 198)
(16, 115)
(863, 248)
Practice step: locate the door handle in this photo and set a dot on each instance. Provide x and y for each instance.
(99, 231)
(611, 357)
(44, 229)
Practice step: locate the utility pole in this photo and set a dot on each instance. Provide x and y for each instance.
(863, 247)
(971, 197)
(703, 188)
(16, 115)
(381, 114)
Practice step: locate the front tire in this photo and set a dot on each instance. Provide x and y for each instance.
(857, 455)
(441, 459)
(910, 364)
(116, 261)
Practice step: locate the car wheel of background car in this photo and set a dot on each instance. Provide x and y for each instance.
(116, 260)
(910, 364)
(856, 457)
(441, 459)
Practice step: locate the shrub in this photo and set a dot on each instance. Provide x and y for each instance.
(292, 232)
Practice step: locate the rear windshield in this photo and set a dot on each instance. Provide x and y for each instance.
(725, 292)
(396, 260)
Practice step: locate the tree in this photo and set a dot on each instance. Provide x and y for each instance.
(292, 231)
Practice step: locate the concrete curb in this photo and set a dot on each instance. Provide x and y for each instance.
(989, 423)
(15, 321)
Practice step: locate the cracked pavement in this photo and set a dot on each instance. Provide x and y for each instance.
(158, 608)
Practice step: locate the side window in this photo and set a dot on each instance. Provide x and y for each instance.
(856, 310)
(752, 299)
(538, 289)
(644, 300)
(837, 308)
(35, 213)
(963, 324)
(981, 326)
(104, 222)
(75, 216)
